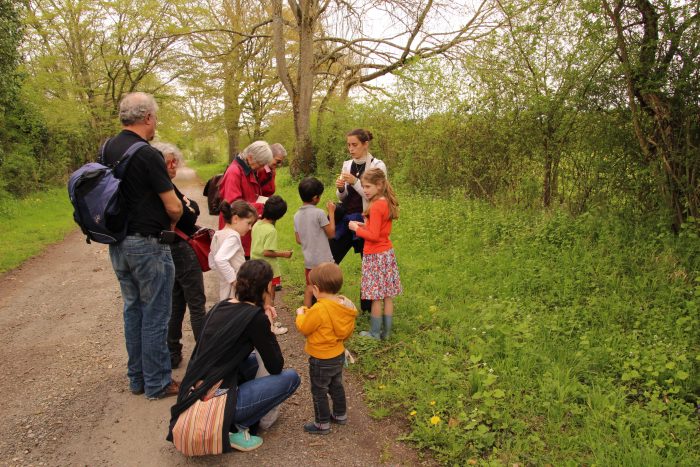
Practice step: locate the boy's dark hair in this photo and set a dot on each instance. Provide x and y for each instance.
(310, 187)
(328, 277)
(275, 207)
(252, 281)
(238, 208)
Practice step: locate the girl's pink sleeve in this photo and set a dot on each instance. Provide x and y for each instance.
(377, 213)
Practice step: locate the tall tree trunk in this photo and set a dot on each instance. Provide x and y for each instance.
(663, 124)
(232, 114)
(305, 159)
(547, 184)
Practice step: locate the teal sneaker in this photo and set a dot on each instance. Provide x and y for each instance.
(244, 441)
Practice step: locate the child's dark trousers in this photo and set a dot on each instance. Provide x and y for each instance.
(327, 378)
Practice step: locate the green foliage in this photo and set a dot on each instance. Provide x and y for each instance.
(206, 171)
(20, 174)
(205, 155)
(31, 223)
(10, 38)
(540, 338)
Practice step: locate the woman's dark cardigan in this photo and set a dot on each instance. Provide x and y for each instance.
(230, 333)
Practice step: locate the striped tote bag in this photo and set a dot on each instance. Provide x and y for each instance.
(199, 430)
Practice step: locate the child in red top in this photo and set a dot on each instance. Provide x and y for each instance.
(380, 273)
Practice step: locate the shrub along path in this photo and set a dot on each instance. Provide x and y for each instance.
(65, 397)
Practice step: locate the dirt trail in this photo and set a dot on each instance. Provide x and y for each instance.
(64, 385)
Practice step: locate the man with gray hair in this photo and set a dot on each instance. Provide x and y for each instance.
(266, 175)
(141, 261)
(240, 181)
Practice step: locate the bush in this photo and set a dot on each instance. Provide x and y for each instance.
(19, 173)
(205, 155)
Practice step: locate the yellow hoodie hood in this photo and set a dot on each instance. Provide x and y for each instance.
(326, 325)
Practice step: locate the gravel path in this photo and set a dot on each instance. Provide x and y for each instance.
(64, 386)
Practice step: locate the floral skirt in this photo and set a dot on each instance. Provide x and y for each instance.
(380, 276)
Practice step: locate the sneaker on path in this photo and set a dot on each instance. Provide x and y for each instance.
(278, 329)
(339, 421)
(244, 441)
(314, 429)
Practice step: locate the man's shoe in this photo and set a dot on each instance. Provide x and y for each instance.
(244, 441)
(171, 389)
(314, 429)
(137, 392)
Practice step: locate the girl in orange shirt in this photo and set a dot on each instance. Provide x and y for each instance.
(380, 273)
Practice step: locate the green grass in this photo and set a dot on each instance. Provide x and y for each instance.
(541, 338)
(206, 171)
(532, 338)
(32, 223)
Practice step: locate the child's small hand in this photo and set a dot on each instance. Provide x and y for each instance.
(301, 310)
(331, 207)
(287, 254)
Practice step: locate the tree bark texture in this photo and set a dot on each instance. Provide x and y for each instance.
(664, 118)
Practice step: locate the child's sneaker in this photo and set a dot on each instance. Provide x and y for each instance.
(339, 420)
(314, 429)
(278, 329)
(244, 441)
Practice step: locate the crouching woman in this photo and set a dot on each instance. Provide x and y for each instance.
(219, 398)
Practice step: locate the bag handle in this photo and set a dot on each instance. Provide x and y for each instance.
(182, 235)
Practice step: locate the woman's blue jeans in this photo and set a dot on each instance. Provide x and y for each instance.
(146, 273)
(258, 396)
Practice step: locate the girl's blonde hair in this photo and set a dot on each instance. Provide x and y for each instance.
(378, 177)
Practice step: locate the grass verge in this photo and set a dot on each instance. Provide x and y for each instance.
(531, 338)
(206, 171)
(31, 223)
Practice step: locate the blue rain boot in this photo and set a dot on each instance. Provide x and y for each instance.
(388, 321)
(375, 328)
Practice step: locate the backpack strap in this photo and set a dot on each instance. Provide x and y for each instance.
(124, 160)
(101, 158)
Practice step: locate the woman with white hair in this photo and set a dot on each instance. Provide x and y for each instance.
(188, 290)
(266, 175)
(241, 182)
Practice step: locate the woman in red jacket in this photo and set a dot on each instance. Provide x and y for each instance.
(241, 182)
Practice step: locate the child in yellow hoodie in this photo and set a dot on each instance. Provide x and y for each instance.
(326, 325)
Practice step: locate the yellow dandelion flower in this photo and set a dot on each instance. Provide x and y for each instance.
(413, 413)
(434, 420)
(433, 309)
(432, 402)
(381, 386)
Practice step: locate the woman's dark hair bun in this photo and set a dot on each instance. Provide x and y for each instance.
(361, 134)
